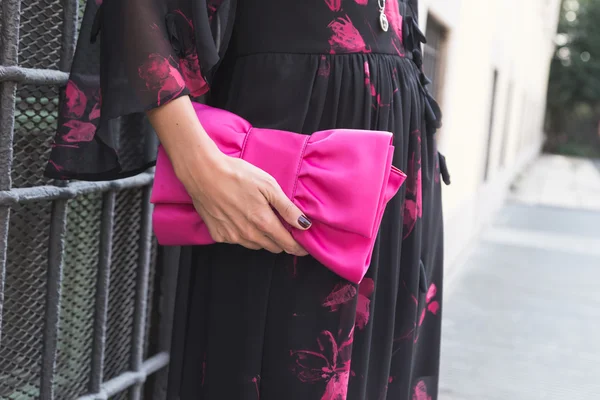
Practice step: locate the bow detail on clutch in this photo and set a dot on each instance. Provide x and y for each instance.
(341, 179)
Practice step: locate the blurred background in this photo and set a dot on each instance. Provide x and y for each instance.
(86, 297)
(519, 84)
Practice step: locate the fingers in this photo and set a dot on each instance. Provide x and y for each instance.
(246, 243)
(249, 237)
(246, 217)
(284, 206)
(256, 233)
(264, 243)
(247, 234)
(267, 223)
(257, 242)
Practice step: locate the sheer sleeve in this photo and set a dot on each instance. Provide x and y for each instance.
(132, 56)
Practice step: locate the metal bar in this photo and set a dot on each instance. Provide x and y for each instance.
(4, 218)
(32, 75)
(141, 291)
(58, 223)
(129, 378)
(58, 228)
(72, 190)
(7, 126)
(11, 19)
(9, 55)
(102, 286)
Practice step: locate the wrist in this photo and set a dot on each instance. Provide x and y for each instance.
(193, 154)
(194, 164)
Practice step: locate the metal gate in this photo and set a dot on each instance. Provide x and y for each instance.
(85, 308)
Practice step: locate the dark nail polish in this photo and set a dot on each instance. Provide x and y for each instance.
(304, 222)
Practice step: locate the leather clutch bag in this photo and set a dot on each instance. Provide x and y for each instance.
(341, 179)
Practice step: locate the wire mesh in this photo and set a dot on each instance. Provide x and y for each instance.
(78, 290)
(122, 283)
(122, 279)
(24, 301)
(25, 296)
(36, 113)
(40, 33)
(20, 349)
(81, 9)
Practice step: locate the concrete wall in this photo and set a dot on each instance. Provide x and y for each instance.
(515, 38)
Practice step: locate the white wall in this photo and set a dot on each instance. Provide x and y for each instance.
(515, 38)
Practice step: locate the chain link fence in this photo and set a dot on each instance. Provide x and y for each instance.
(85, 300)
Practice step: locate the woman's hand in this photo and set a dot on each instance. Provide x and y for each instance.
(234, 198)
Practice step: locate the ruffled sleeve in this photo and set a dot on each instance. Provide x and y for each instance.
(132, 56)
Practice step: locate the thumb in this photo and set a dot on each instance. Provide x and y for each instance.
(288, 210)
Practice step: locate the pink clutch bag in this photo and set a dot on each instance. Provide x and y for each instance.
(341, 179)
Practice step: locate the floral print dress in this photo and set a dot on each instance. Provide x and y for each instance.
(251, 324)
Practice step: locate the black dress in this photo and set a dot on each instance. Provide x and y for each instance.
(251, 324)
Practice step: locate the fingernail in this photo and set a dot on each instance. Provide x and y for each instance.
(304, 222)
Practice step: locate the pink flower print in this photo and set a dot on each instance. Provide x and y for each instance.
(155, 28)
(407, 335)
(344, 293)
(330, 364)
(420, 392)
(334, 5)
(361, 2)
(395, 79)
(324, 67)
(346, 37)
(95, 113)
(371, 87)
(341, 294)
(413, 208)
(188, 20)
(365, 291)
(57, 167)
(213, 6)
(368, 83)
(256, 382)
(431, 292)
(431, 305)
(190, 69)
(79, 131)
(76, 101)
(189, 63)
(392, 12)
(161, 76)
(393, 15)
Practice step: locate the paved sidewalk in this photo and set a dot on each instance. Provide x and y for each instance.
(522, 315)
(560, 181)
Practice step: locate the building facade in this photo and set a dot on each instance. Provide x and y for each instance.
(490, 62)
